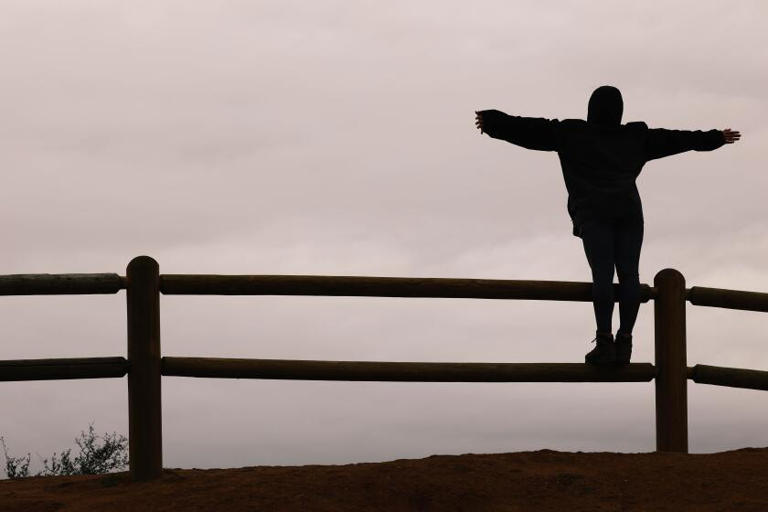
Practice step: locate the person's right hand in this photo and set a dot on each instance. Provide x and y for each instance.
(731, 136)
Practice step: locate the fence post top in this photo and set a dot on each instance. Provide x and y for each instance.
(143, 262)
(669, 274)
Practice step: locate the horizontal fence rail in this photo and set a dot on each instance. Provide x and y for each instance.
(434, 287)
(73, 368)
(145, 365)
(730, 299)
(60, 284)
(401, 371)
(730, 377)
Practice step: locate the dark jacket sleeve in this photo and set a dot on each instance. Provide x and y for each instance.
(528, 132)
(660, 142)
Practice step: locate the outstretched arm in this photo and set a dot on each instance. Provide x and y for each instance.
(661, 142)
(528, 132)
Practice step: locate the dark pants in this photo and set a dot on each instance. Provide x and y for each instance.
(614, 243)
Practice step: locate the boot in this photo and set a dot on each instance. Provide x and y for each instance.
(623, 348)
(604, 352)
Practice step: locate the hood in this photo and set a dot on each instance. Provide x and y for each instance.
(605, 106)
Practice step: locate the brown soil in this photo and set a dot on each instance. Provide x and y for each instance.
(527, 481)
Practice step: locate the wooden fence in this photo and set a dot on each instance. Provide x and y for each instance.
(145, 365)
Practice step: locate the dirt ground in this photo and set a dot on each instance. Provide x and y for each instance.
(543, 480)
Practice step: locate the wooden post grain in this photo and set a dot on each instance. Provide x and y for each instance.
(145, 446)
(671, 379)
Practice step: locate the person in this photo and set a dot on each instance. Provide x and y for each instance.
(600, 160)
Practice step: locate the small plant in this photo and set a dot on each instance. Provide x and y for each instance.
(15, 467)
(94, 458)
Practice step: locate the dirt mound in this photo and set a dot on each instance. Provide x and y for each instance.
(526, 481)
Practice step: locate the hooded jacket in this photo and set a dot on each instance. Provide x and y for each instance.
(600, 157)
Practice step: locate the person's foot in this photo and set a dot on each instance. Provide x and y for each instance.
(623, 348)
(604, 352)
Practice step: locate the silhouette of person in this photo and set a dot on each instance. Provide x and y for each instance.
(601, 159)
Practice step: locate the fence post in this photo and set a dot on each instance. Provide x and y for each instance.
(671, 378)
(145, 444)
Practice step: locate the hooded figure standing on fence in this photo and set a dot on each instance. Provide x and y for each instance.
(601, 159)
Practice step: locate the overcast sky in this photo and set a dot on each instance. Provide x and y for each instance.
(337, 138)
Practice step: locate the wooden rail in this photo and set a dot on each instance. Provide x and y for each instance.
(145, 366)
(60, 284)
(731, 299)
(730, 377)
(401, 371)
(73, 368)
(185, 284)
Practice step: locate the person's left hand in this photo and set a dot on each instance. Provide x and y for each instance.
(490, 119)
(479, 121)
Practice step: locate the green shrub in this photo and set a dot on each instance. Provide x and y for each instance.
(15, 467)
(97, 455)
